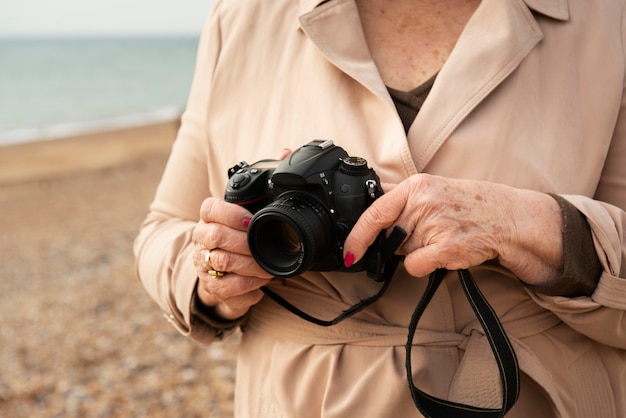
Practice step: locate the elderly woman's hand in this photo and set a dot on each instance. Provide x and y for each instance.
(222, 247)
(457, 224)
(229, 277)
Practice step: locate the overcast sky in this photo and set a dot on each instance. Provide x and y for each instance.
(97, 17)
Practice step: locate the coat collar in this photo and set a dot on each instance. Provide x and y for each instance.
(308, 5)
(498, 37)
(556, 9)
(334, 26)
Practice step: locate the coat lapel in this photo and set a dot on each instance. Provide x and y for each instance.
(335, 28)
(496, 39)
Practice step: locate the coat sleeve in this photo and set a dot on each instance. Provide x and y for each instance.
(602, 316)
(163, 248)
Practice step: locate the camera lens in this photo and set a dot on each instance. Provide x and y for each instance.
(288, 239)
(286, 246)
(291, 234)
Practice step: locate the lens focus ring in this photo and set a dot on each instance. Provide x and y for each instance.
(291, 234)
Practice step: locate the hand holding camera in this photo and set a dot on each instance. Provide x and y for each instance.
(304, 207)
(461, 223)
(220, 246)
(220, 240)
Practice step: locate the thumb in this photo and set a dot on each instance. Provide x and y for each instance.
(283, 154)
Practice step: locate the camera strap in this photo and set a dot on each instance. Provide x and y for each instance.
(380, 266)
(499, 343)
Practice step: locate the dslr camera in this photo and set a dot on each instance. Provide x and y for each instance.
(304, 207)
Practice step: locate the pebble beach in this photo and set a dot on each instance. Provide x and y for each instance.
(79, 337)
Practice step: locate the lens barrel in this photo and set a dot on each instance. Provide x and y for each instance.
(291, 234)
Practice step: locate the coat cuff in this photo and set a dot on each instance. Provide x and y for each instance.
(609, 293)
(183, 314)
(581, 266)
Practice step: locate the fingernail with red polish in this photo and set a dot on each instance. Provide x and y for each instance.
(246, 222)
(348, 261)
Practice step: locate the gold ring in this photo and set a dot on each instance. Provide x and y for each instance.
(207, 260)
(207, 265)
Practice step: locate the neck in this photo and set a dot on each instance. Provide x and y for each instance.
(411, 39)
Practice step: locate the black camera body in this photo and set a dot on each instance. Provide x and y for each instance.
(304, 207)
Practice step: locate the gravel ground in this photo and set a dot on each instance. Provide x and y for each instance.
(79, 337)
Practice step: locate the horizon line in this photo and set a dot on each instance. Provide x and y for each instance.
(108, 34)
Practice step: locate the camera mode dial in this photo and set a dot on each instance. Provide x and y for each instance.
(354, 166)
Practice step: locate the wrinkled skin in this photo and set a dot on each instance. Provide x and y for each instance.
(451, 224)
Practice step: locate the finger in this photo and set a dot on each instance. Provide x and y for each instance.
(232, 295)
(451, 254)
(284, 153)
(238, 306)
(387, 187)
(222, 212)
(379, 216)
(236, 263)
(423, 261)
(220, 290)
(214, 235)
(224, 261)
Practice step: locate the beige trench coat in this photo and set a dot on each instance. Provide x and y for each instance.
(531, 96)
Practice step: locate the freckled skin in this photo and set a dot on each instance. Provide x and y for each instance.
(456, 224)
(410, 40)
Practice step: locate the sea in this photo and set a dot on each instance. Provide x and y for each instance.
(56, 87)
